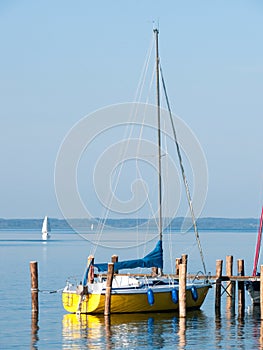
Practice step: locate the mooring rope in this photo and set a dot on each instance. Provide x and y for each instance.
(46, 291)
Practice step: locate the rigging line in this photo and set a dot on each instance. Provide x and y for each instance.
(150, 86)
(142, 79)
(149, 202)
(139, 94)
(146, 69)
(139, 170)
(138, 97)
(189, 199)
(168, 225)
(134, 112)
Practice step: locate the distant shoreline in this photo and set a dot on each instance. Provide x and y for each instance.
(209, 223)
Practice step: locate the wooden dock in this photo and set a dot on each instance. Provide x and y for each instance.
(226, 284)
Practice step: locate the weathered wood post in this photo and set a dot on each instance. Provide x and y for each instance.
(115, 259)
(108, 289)
(34, 302)
(154, 271)
(219, 265)
(184, 259)
(241, 289)
(261, 292)
(90, 263)
(229, 273)
(182, 290)
(34, 286)
(178, 261)
(230, 287)
(233, 302)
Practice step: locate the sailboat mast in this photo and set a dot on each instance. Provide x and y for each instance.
(156, 32)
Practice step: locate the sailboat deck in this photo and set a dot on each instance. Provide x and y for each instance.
(194, 277)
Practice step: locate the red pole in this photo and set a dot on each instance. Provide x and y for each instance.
(258, 245)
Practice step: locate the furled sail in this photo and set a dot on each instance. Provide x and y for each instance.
(153, 259)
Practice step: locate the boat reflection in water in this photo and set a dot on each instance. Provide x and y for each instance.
(156, 330)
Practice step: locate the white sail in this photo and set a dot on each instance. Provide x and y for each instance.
(46, 229)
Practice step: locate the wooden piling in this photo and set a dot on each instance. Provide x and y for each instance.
(115, 259)
(108, 289)
(219, 265)
(178, 261)
(154, 271)
(241, 288)
(261, 292)
(90, 263)
(184, 258)
(229, 273)
(233, 299)
(230, 286)
(182, 290)
(34, 286)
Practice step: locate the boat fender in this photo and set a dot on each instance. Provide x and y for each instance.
(194, 293)
(175, 296)
(150, 296)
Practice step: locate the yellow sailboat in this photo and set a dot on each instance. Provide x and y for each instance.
(153, 295)
(137, 293)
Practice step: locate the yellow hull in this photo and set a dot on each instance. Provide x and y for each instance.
(133, 302)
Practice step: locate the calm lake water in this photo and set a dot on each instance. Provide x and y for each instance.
(65, 256)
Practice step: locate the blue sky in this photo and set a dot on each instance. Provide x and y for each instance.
(61, 60)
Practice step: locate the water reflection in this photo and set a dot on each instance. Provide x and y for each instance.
(127, 330)
(181, 333)
(218, 331)
(261, 335)
(257, 330)
(34, 330)
(239, 332)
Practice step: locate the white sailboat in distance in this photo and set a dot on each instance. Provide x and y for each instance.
(46, 229)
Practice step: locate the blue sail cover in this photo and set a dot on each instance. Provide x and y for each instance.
(153, 259)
